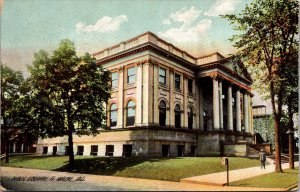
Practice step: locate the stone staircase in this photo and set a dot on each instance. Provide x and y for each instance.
(284, 158)
(252, 153)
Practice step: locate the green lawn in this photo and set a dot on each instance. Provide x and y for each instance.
(273, 180)
(172, 169)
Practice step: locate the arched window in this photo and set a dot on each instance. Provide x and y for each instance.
(113, 115)
(177, 116)
(190, 117)
(130, 113)
(162, 113)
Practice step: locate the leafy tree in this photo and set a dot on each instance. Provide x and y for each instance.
(267, 35)
(10, 92)
(290, 99)
(68, 94)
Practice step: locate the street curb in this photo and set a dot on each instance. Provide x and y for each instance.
(291, 187)
(202, 182)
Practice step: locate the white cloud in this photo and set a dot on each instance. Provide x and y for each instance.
(183, 16)
(187, 33)
(190, 30)
(222, 7)
(104, 25)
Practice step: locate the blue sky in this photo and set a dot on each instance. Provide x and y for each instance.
(193, 25)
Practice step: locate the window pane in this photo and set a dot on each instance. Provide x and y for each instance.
(162, 72)
(131, 112)
(114, 76)
(114, 83)
(177, 107)
(113, 115)
(190, 86)
(162, 79)
(162, 104)
(177, 120)
(131, 79)
(131, 71)
(130, 121)
(130, 104)
(113, 107)
(177, 81)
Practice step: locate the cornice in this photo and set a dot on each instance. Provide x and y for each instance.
(148, 46)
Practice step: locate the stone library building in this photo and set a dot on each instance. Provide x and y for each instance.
(167, 103)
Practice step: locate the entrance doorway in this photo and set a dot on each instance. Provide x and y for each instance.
(193, 151)
(45, 150)
(165, 150)
(54, 150)
(80, 150)
(180, 150)
(127, 150)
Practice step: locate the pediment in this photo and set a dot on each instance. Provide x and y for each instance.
(239, 68)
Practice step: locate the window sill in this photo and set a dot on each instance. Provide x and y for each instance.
(178, 91)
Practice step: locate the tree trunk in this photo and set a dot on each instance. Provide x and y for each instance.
(291, 151)
(71, 151)
(6, 149)
(277, 146)
(291, 137)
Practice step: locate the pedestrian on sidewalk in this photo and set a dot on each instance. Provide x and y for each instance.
(262, 158)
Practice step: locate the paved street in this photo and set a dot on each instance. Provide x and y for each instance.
(12, 180)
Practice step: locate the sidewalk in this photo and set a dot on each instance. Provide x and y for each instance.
(102, 183)
(220, 179)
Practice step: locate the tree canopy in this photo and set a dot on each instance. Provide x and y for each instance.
(69, 93)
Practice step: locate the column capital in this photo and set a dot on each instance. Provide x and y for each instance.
(139, 64)
(214, 76)
(121, 69)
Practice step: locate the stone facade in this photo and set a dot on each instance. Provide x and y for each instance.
(165, 102)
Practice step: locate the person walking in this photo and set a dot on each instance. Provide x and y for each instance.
(262, 158)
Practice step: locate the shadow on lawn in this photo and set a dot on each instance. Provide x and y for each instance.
(106, 165)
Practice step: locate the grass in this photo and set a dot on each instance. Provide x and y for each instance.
(271, 180)
(171, 169)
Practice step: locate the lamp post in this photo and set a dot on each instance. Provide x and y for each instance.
(291, 149)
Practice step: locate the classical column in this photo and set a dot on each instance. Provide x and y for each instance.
(14, 148)
(196, 123)
(146, 108)
(246, 110)
(120, 119)
(201, 120)
(250, 116)
(229, 108)
(216, 111)
(221, 105)
(185, 101)
(139, 92)
(238, 110)
(171, 103)
(155, 94)
(22, 148)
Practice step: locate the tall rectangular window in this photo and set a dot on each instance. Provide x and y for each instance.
(80, 150)
(190, 85)
(177, 81)
(109, 150)
(94, 150)
(114, 80)
(131, 73)
(162, 76)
